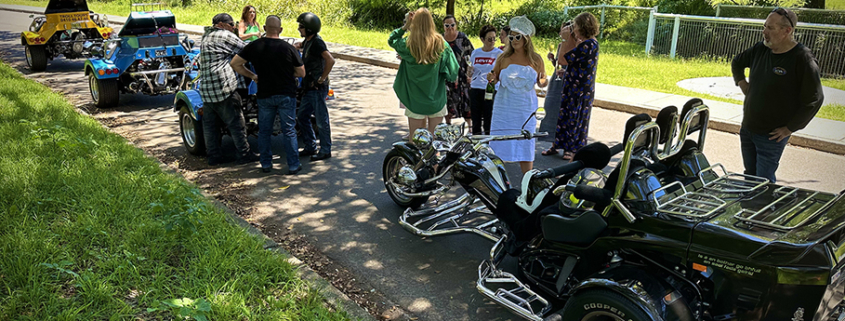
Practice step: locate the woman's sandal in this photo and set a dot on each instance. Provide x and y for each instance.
(549, 152)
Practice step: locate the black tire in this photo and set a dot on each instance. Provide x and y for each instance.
(104, 92)
(36, 57)
(600, 305)
(192, 132)
(391, 165)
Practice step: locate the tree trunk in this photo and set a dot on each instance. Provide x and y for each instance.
(818, 4)
(450, 7)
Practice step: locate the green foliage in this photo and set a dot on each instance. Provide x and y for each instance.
(94, 230)
(184, 308)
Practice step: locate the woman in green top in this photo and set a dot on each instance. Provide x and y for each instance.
(248, 27)
(427, 63)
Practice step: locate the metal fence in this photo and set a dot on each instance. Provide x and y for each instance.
(617, 22)
(700, 36)
(810, 15)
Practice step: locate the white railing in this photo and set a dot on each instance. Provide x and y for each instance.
(702, 36)
(811, 15)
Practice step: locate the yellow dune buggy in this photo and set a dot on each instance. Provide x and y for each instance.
(66, 28)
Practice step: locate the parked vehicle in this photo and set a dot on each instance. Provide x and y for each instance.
(412, 173)
(66, 28)
(188, 104)
(669, 237)
(148, 58)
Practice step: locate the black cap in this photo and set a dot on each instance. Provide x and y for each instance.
(222, 17)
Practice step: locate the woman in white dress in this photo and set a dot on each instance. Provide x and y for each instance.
(517, 69)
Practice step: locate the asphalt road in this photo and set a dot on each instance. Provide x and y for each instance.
(340, 205)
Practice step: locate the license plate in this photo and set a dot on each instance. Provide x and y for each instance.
(161, 53)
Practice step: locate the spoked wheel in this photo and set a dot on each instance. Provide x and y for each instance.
(602, 305)
(390, 168)
(103, 91)
(192, 134)
(36, 57)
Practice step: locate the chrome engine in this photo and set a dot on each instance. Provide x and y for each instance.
(155, 76)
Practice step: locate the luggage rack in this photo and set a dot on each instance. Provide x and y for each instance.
(806, 205)
(709, 199)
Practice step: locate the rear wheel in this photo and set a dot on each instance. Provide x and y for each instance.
(104, 92)
(390, 168)
(602, 305)
(36, 57)
(191, 130)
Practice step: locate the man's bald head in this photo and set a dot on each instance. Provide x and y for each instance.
(273, 25)
(273, 21)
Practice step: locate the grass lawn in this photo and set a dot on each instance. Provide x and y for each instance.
(835, 4)
(94, 230)
(620, 63)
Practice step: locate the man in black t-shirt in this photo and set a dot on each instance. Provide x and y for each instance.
(278, 64)
(782, 95)
(315, 85)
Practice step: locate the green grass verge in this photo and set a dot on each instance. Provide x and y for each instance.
(95, 230)
(620, 63)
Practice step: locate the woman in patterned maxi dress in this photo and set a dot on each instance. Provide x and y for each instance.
(579, 88)
(458, 92)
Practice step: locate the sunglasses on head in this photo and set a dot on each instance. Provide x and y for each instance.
(448, 25)
(785, 14)
(514, 38)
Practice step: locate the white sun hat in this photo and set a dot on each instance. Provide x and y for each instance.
(522, 25)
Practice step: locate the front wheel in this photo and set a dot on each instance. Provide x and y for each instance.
(390, 168)
(36, 57)
(192, 132)
(601, 305)
(104, 92)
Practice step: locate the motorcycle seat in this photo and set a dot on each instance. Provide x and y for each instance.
(577, 230)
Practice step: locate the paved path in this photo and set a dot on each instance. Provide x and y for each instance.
(340, 206)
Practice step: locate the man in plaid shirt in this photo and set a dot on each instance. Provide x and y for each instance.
(221, 101)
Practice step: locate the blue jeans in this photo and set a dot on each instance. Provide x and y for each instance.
(314, 102)
(760, 155)
(229, 113)
(268, 108)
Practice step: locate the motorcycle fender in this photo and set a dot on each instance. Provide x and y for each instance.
(190, 98)
(94, 65)
(654, 296)
(30, 38)
(408, 150)
(105, 30)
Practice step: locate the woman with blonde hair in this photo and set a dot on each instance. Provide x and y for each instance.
(518, 68)
(427, 64)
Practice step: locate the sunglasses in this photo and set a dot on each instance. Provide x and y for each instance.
(231, 24)
(490, 39)
(514, 38)
(448, 25)
(783, 13)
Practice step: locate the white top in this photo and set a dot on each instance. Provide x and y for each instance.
(482, 64)
(513, 105)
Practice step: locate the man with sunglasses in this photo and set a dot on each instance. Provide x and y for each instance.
(221, 102)
(277, 64)
(782, 94)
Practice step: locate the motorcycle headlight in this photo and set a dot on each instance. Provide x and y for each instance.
(422, 138)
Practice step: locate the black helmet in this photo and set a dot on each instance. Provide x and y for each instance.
(310, 22)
